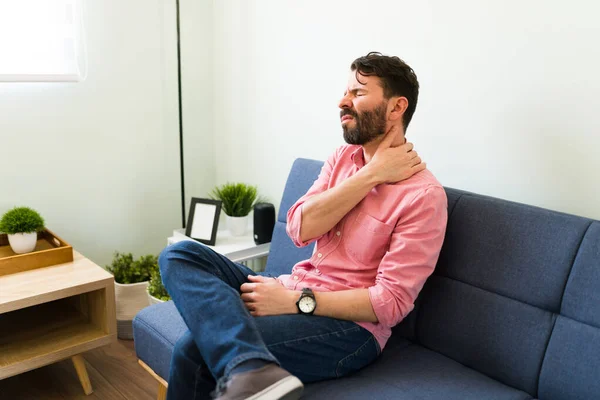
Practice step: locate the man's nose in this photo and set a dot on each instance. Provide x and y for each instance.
(345, 102)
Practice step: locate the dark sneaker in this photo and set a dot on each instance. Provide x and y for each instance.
(267, 383)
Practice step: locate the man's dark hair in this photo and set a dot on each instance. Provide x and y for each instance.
(397, 78)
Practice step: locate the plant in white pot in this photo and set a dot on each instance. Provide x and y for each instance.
(237, 202)
(21, 224)
(157, 292)
(131, 282)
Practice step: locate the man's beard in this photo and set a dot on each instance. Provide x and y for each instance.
(368, 125)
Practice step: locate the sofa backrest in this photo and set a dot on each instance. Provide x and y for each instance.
(515, 294)
(504, 295)
(284, 254)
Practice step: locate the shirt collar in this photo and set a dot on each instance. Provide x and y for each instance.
(358, 157)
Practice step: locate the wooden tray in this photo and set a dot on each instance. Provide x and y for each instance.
(49, 250)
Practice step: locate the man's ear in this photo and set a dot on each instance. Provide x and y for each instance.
(398, 107)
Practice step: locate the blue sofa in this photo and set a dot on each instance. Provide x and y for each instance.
(512, 311)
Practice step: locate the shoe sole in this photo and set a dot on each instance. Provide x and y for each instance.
(289, 388)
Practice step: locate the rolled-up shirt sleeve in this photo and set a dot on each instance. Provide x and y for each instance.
(294, 214)
(413, 253)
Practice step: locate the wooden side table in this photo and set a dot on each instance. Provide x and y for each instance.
(53, 313)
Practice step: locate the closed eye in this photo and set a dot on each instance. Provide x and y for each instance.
(356, 92)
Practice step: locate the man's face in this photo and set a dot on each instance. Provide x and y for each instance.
(363, 110)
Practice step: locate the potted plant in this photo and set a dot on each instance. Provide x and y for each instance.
(157, 293)
(237, 202)
(22, 224)
(131, 282)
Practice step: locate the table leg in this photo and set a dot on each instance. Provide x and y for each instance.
(82, 374)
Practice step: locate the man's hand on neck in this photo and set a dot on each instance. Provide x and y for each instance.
(393, 159)
(390, 161)
(395, 137)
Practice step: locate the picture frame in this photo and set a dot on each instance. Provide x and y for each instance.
(203, 220)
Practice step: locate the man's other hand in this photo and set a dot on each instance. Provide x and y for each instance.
(395, 164)
(267, 296)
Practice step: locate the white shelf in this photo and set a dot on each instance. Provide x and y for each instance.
(236, 248)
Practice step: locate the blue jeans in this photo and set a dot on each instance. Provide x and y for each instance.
(205, 287)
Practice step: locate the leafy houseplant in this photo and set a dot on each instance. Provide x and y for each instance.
(237, 201)
(22, 224)
(238, 198)
(131, 282)
(126, 270)
(156, 289)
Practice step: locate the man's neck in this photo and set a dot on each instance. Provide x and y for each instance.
(370, 148)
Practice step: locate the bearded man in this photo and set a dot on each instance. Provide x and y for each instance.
(378, 218)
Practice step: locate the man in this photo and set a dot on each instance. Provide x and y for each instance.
(378, 218)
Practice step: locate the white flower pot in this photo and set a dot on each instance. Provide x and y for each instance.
(130, 299)
(22, 243)
(237, 225)
(154, 300)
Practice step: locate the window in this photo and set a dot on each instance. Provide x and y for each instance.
(40, 40)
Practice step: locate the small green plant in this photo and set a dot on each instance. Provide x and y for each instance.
(147, 263)
(21, 220)
(238, 198)
(127, 270)
(156, 287)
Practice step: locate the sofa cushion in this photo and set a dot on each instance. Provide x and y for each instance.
(156, 329)
(406, 328)
(284, 254)
(404, 370)
(515, 250)
(410, 372)
(582, 293)
(500, 337)
(453, 196)
(571, 368)
(303, 174)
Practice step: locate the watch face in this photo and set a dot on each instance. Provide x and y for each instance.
(306, 304)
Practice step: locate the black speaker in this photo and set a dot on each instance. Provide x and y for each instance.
(264, 222)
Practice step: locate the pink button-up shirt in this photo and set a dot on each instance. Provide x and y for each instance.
(388, 243)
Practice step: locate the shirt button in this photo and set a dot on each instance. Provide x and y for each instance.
(295, 278)
(338, 233)
(319, 255)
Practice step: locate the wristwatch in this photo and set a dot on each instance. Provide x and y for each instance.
(307, 304)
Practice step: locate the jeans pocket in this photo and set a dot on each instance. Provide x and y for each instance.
(363, 356)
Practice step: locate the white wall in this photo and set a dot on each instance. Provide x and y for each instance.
(99, 159)
(507, 107)
(508, 104)
(197, 96)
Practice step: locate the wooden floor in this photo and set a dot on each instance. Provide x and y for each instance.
(113, 370)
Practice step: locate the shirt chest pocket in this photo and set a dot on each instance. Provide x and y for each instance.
(366, 239)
